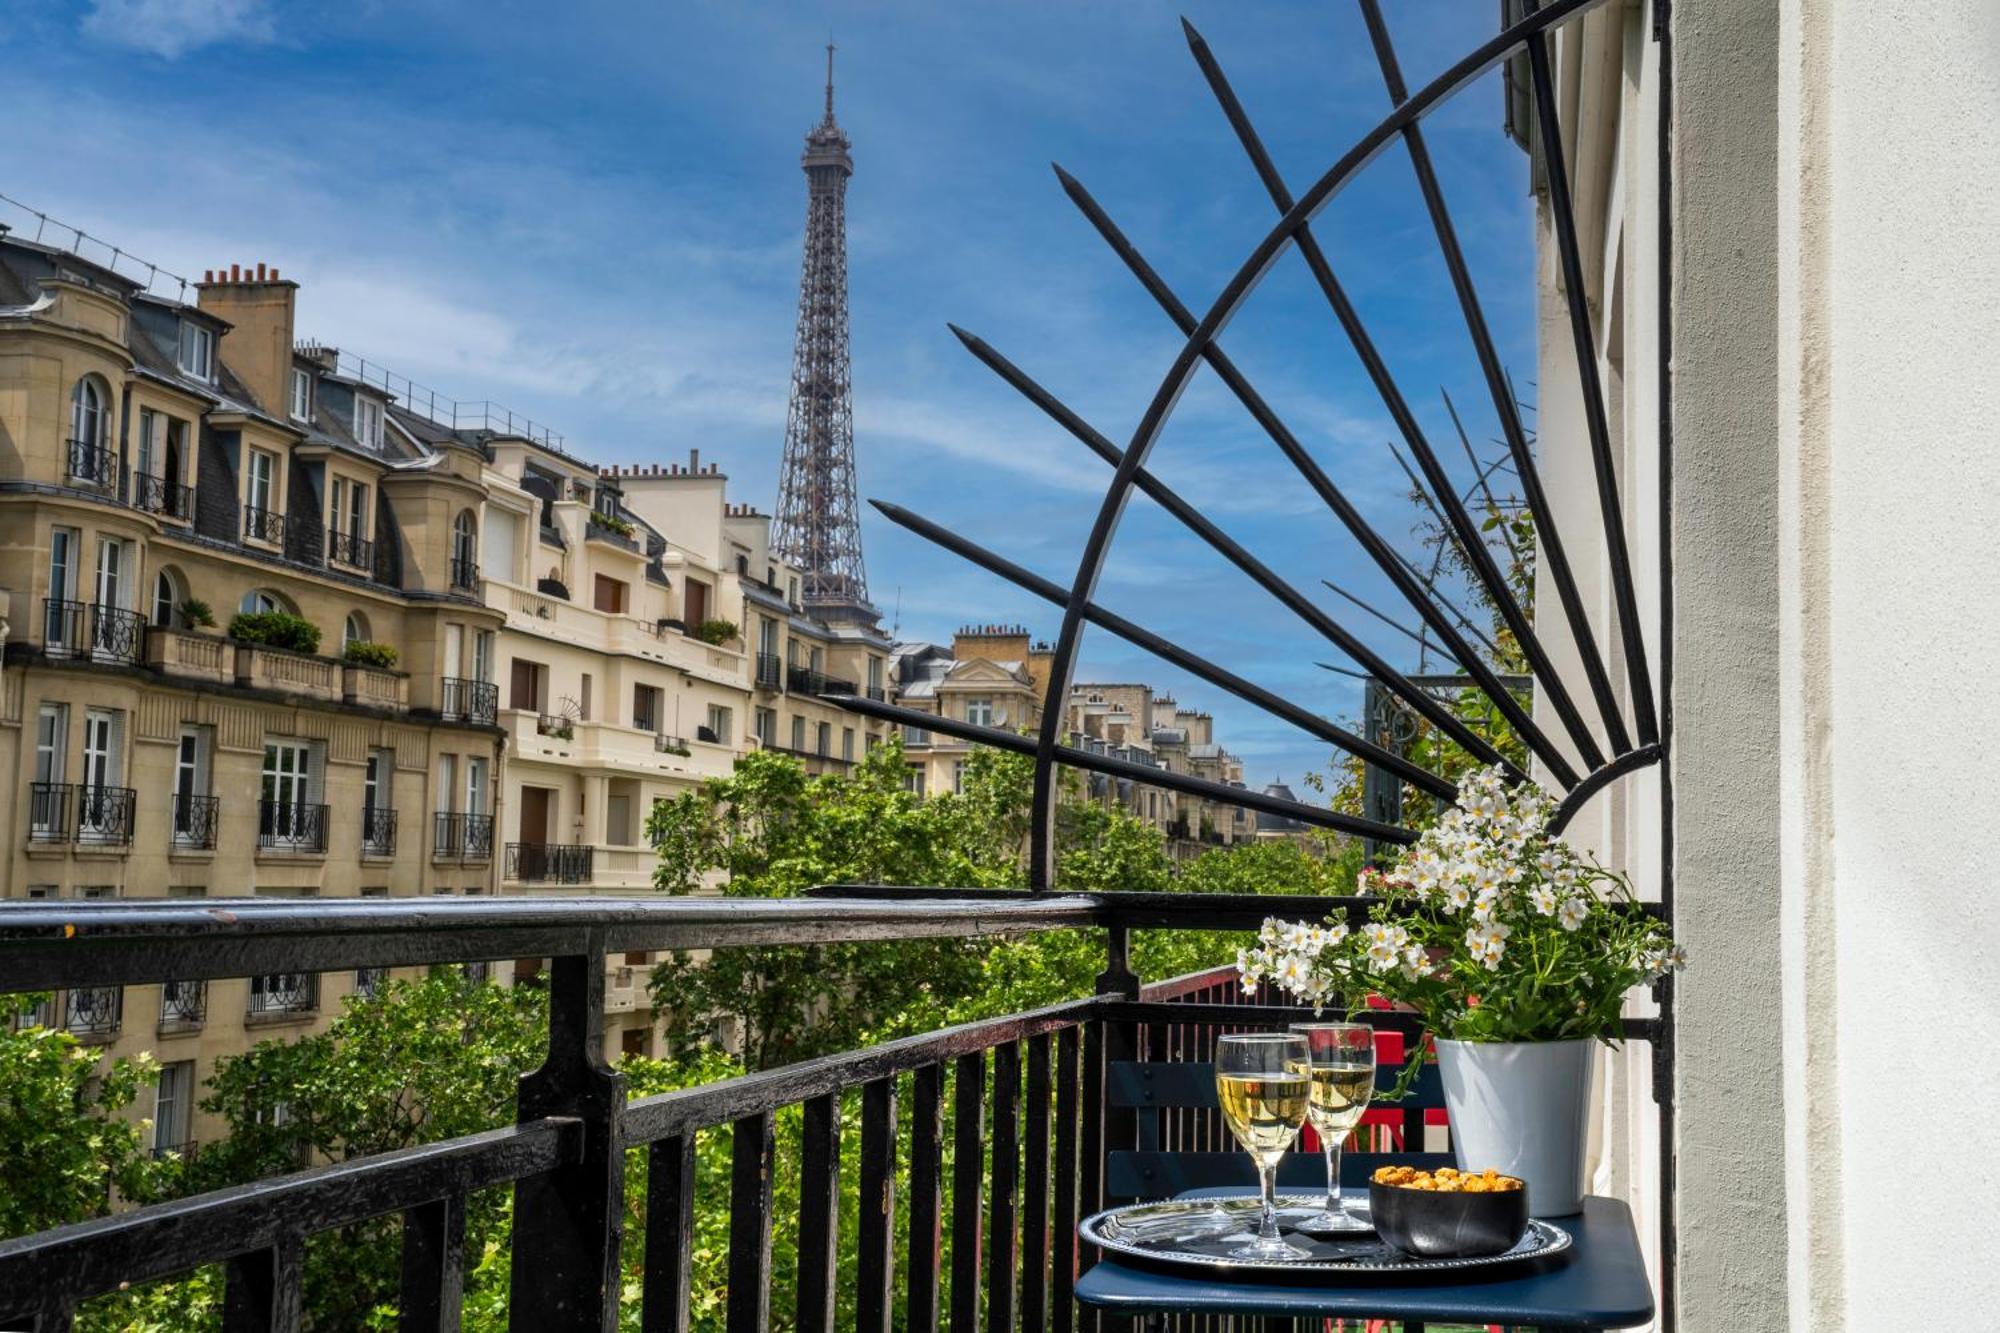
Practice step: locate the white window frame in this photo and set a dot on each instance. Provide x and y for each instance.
(262, 480)
(979, 710)
(302, 406)
(172, 1103)
(368, 422)
(475, 785)
(196, 354)
(720, 721)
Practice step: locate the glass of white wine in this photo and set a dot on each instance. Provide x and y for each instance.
(1261, 1082)
(1340, 1062)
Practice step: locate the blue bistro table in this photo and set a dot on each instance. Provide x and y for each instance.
(1600, 1282)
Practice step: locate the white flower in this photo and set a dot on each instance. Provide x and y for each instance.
(1294, 972)
(1336, 934)
(1485, 879)
(1544, 899)
(1549, 861)
(1456, 897)
(1295, 936)
(1381, 957)
(1574, 911)
(1485, 905)
(1414, 962)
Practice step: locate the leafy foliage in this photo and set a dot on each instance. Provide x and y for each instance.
(64, 1147)
(275, 629)
(368, 653)
(716, 631)
(197, 614)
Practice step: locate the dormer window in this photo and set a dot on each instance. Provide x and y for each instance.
(302, 395)
(368, 422)
(197, 356)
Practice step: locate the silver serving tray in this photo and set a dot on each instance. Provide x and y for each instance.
(1197, 1233)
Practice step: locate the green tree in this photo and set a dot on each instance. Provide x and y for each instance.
(66, 1151)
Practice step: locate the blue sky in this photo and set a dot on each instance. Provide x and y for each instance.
(591, 213)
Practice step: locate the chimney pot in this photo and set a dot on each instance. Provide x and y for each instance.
(274, 274)
(208, 275)
(235, 273)
(260, 272)
(694, 460)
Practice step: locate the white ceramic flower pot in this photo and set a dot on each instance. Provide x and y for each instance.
(1522, 1108)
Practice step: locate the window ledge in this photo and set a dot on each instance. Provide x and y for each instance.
(180, 1028)
(99, 851)
(283, 1019)
(199, 855)
(271, 856)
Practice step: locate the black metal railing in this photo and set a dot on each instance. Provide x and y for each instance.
(464, 574)
(49, 810)
(162, 496)
(93, 464)
(378, 831)
(464, 837)
(291, 826)
(195, 819)
(183, 1003)
(284, 993)
(461, 700)
(368, 981)
(1037, 1139)
(770, 671)
(876, 693)
(104, 816)
(804, 680)
(263, 525)
(93, 1011)
(348, 548)
(185, 1149)
(92, 630)
(549, 862)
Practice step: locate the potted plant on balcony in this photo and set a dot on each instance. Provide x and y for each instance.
(275, 629)
(367, 653)
(1516, 951)
(716, 632)
(196, 614)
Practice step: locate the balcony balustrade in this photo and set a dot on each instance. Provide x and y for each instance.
(265, 668)
(87, 816)
(374, 687)
(91, 631)
(163, 497)
(93, 465)
(462, 700)
(349, 549)
(1031, 1105)
(549, 863)
(294, 827)
(195, 820)
(770, 671)
(462, 837)
(183, 653)
(263, 525)
(464, 574)
(378, 831)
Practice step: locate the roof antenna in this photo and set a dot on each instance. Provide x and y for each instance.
(829, 76)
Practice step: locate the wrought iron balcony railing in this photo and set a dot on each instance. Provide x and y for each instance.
(104, 816)
(1025, 1101)
(770, 671)
(876, 693)
(93, 1011)
(166, 498)
(183, 1004)
(195, 819)
(92, 631)
(378, 831)
(350, 549)
(284, 993)
(464, 574)
(461, 700)
(549, 862)
(804, 680)
(291, 826)
(93, 465)
(463, 837)
(368, 981)
(263, 525)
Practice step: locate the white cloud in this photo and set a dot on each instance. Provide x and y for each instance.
(172, 28)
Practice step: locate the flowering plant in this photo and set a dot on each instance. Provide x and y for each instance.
(1490, 928)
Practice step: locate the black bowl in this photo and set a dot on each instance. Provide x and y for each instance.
(1456, 1225)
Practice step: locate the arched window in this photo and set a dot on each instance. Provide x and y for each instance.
(168, 594)
(87, 403)
(263, 599)
(465, 550)
(355, 630)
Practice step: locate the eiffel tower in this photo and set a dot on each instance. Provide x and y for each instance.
(819, 526)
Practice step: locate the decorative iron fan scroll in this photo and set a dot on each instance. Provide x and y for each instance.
(1622, 749)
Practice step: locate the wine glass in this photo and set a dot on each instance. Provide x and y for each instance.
(1261, 1081)
(1340, 1062)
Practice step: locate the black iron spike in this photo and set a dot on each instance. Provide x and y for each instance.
(1293, 600)
(1350, 517)
(1562, 209)
(1399, 410)
(1548, 539)
(1050, 591)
